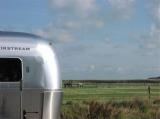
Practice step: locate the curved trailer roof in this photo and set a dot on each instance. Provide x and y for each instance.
(35, 52)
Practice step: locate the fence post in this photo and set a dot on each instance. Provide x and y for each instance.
(149, 92)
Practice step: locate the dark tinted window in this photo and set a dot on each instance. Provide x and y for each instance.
(10, 69)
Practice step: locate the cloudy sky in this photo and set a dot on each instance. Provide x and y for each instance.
(94, 39)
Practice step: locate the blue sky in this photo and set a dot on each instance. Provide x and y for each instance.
(94, 39)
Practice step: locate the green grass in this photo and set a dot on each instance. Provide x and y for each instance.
(119, 101)
(105, 93)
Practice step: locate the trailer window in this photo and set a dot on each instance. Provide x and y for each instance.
(10, 70)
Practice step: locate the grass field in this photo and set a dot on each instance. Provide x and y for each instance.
(124, 95)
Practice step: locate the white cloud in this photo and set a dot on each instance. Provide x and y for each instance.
(80, 6)
(155, 11)
(120, 69)
(151, 42)
(121, 4)
(122, 8)
(84, 24)
(63, 31)
(153, 68)
(155, 34)
(59, 3)
(155, 28)
(92, 67)
(65, 37)
(73, 16)
(99, 23)
(56, 34)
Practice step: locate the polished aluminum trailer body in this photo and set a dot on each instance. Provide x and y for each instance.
(37, 95)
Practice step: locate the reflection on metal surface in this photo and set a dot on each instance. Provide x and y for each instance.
(10, 104)
(40, 59)
(37, 95)
(51, 104)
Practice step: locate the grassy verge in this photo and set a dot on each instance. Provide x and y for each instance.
(116, 101)
(135, 109)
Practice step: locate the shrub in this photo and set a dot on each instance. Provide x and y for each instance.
(135, 109)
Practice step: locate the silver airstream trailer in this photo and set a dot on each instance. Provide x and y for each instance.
(30, 87)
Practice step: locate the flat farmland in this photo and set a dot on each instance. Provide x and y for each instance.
(107, 92)
(99, 100)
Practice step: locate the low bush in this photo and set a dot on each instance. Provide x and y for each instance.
(135, 109)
